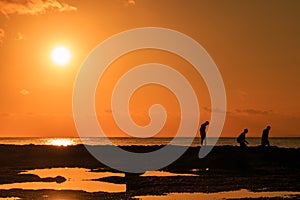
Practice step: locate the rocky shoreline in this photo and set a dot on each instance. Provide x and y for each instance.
(226, 168)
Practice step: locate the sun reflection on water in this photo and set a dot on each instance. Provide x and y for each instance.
(60, 142)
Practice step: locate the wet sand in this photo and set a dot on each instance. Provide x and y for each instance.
(226, 168)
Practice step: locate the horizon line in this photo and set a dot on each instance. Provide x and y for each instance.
(140, 138)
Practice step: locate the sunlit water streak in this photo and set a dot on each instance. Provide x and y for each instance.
(60, 142)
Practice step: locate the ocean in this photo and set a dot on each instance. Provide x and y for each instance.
(292, 142)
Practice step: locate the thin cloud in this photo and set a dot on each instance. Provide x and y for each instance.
(20, 36)
(108, 110)
(131, 2)
(128, 2)
(24, 92)
(33, 7)
(5, 114)
(242, 95)
(2, 34)
(215, 110)
(254, 111)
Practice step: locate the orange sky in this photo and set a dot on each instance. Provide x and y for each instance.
(255, 44)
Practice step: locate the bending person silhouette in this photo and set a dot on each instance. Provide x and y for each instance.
(203, 132)
(265, 137)
(242, 139)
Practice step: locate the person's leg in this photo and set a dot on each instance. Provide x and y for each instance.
(243, 145)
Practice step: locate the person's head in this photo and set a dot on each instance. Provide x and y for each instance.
(268, 127)
(207, 122)
(245, 130)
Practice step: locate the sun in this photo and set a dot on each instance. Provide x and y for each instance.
(61, 55)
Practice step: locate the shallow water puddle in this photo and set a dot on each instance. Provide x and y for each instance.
(77, 179)
(164, 174)
(219, 195)
(9, 198)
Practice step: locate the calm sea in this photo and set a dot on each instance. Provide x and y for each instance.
(280, 142)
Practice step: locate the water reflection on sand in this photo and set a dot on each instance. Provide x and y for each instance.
(77, 179)
(164, 174)
(238, 194)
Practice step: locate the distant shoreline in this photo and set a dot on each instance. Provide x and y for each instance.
(276, 137)
(127, 141)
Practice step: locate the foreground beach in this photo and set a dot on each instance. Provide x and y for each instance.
(226, 168)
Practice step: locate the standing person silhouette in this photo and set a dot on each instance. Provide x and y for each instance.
(242, 139)
(265, 137)
(203, 132)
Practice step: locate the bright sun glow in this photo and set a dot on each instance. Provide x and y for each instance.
(61, 55)
(60, 142)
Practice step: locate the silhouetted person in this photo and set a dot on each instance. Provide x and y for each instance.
(242, 139)
(265, 137)
(203, 132)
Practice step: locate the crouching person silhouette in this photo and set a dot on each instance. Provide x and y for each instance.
(241, 139)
